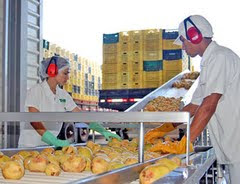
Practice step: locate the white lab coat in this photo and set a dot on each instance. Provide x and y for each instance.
(42, 98)
(220, 73)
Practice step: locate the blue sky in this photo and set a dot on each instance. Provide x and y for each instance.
(78, 25)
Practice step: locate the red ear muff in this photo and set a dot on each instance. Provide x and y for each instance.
(194, 35)
(52, 70)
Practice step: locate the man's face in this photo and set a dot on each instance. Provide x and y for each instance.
(190, 48)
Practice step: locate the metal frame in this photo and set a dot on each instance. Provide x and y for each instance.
(114, 117)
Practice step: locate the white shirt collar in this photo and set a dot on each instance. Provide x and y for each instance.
(47, 89)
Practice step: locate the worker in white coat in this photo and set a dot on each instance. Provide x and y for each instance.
(47, 96)
(215, 102)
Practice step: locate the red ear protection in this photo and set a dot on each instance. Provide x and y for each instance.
(52, 69)
(193, 34)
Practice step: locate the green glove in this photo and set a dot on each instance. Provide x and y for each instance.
(50, 139)
(99, 128)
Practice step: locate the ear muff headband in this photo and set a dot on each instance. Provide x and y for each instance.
(193, 34)
(52, 69)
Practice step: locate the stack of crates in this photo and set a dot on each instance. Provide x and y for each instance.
(81, 83)
(152, 58)
(136, 60)
(110, 61)
(174, 59)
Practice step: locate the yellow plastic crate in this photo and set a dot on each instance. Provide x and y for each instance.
(136, 35)
(136, 85)
(110, 58)
(110, 48)
(122, 86)
(123, 77)
(152, 34)
(68, 87)
(109, 86)
(169, 74)
(153, 76)
(124, 36)
(110, 77)
(74, 95)
(152, 45)
(136, 45)
(123, 67)
(136, 77)
(152, 55)
(124, 57)
(136, 56)
(152, 84)
(136, 66)
(124, 46)
(168, 45)
(110, 68)
(173, 65)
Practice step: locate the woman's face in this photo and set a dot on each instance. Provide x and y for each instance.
(63, 76)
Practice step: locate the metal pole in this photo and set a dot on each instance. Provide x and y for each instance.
(213, 174)
(5, 68)
(141, 144)
(206, 178)
(188, 142)
(93, 136)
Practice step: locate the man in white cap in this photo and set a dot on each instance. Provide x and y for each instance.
(214, 103)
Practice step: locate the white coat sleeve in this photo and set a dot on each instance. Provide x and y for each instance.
(197, 97)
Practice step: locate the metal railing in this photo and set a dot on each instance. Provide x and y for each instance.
(112, 117)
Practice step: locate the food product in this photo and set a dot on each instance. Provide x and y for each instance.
(69, 150)
(99, 165)
(13, 170)
(152, 173)
(85, 152)
(182, 84)
(52, 170)
(74, 163)
(37, 164)
(191, 75)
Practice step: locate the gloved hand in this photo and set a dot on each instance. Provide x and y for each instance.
(158, 132)
(177, 147)
(99, 128)
(50, 139)
(181, 148)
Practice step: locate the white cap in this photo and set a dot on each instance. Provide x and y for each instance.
(200, 22)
